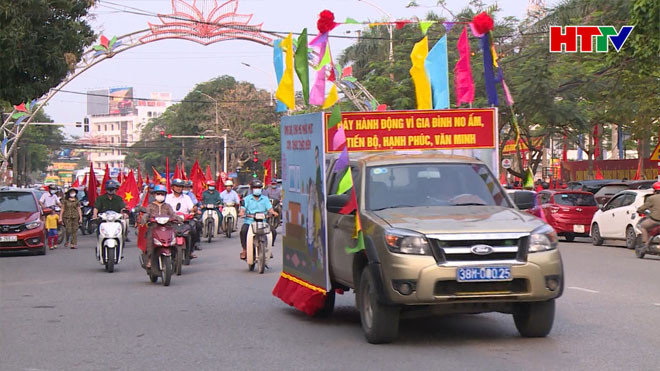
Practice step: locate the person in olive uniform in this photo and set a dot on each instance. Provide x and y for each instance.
(109, 201)
(71, 215)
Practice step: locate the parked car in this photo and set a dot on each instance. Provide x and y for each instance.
(617, 220)
(525, 200)
(568, 212)
(641, 184)
(608, 191)
(21, 222)
(591, 186)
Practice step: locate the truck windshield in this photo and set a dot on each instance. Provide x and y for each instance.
(412, 185)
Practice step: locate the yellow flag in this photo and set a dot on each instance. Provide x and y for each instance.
(418, 73)
(285, 92)
(332, 97)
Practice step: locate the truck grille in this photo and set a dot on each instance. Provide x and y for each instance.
(516, 286)
(460, 250)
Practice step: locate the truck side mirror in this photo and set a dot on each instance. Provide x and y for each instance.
(336, 202)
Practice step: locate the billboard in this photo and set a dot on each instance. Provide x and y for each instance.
(98, 102)
(121, 101)
(303, 181)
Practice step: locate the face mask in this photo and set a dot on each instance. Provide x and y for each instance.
(273, 186)
(72, 195)
(160, 198)
(177, 192)
(53, 192)
(211, 188)
(256, 191)
(110, 191)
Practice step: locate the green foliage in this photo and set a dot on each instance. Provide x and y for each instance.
(40, 42)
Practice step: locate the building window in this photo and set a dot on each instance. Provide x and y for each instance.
(98, 127)
(112, 139)
(149, 113)
(105, 127)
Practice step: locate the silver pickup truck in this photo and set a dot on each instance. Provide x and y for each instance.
(441, 236)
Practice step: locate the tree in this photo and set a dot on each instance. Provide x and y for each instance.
(41, 41)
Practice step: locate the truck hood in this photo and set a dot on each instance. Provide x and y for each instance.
(459, 219)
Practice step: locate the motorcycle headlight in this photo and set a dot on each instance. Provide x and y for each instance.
(407, 242)
(33, 225)
(543, 238)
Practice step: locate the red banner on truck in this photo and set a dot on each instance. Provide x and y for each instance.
(416, 130)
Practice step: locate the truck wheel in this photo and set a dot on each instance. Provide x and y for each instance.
(380, 322)
(596, 239)
(328, 305)
(534, 320)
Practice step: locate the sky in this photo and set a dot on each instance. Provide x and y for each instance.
(176, 66)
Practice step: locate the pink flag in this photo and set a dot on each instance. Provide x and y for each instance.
(339, 140)
(464, 83)
(507, 93)
(317, 95)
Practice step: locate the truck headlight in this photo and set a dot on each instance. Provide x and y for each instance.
(543, 238)
(33, 225)
(407, 242)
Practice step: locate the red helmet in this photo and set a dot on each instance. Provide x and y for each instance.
(656, 186)
(211, 183)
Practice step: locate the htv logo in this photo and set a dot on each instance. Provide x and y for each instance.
(569, 38)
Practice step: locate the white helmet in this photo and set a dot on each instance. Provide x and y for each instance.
(229, 183)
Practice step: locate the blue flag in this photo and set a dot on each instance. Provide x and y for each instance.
(438, 71)
(278, 62)
(489, 78)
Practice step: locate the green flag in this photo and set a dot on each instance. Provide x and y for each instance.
(358, 247)
(529, 179)
(346, 182)
(335, 117)
(301, 64)
(350, 20)
(424, 26)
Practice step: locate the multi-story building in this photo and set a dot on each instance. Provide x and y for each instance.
(120, 125)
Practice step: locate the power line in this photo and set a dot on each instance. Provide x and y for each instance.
(171, 100)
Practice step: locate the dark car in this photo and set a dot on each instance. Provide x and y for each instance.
(608, 191)
(641, 184)
(591, 186)
(21, 222)
(568, 212)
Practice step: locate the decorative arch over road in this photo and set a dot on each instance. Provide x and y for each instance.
(202, 21)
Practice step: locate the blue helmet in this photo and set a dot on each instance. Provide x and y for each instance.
(178, 182)
(111, 184)
(151, 186)
(159, 189)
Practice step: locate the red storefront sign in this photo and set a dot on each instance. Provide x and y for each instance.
(611, 169)
(416, 130)
(510, 145)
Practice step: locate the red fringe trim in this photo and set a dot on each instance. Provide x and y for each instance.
(298, 296)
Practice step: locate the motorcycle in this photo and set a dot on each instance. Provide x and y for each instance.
(210, 220)
(164, 239)
(274, 221)
(185, 246)
(259, 240)
(87, 226)
(229, 218)
(652, 247)
(110, 242)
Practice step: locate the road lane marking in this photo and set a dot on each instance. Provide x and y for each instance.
(583, 289)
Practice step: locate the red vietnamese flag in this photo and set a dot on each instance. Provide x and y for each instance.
(147, 180)
(208, 176)
(157, 177)
(599, 175)
(222, 178)
(106, 177)
(84, 183)
(183, 171)
(91, 186)
(129, 191)
(167, 173)
(268, 167)
(198, 179)
(75, 184)
(177, 172)
(142, 229)
(120, 178)
(140, 182)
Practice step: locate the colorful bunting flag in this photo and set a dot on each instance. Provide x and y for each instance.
(342, 161)
(302, 64)
(418, 74)
(489, 78)
(425, 25)
(317, 95)
(463, 82)
(437, 67)
(346, 182)
(285, 92)
(278, 62)
(335, 117)
(332, 98)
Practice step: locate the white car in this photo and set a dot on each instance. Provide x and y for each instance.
(617, 220)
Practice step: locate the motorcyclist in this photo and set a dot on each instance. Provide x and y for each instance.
(651, 203)
(181, 203)
(110, 201)
(156, 208)
(273, 192)
(228, 195)
(254, 203)
(50, 199)
(187, 190)
(212, 196)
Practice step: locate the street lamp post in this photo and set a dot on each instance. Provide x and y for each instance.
(217, 132)
(272, 94)
(390, 29)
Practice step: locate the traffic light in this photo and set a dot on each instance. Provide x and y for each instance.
(169, 136)
(201, 137)
(256, 159)
(162, 133)
(86, 125)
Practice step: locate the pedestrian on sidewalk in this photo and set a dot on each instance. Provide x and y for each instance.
(52, 220)
(72, 217)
